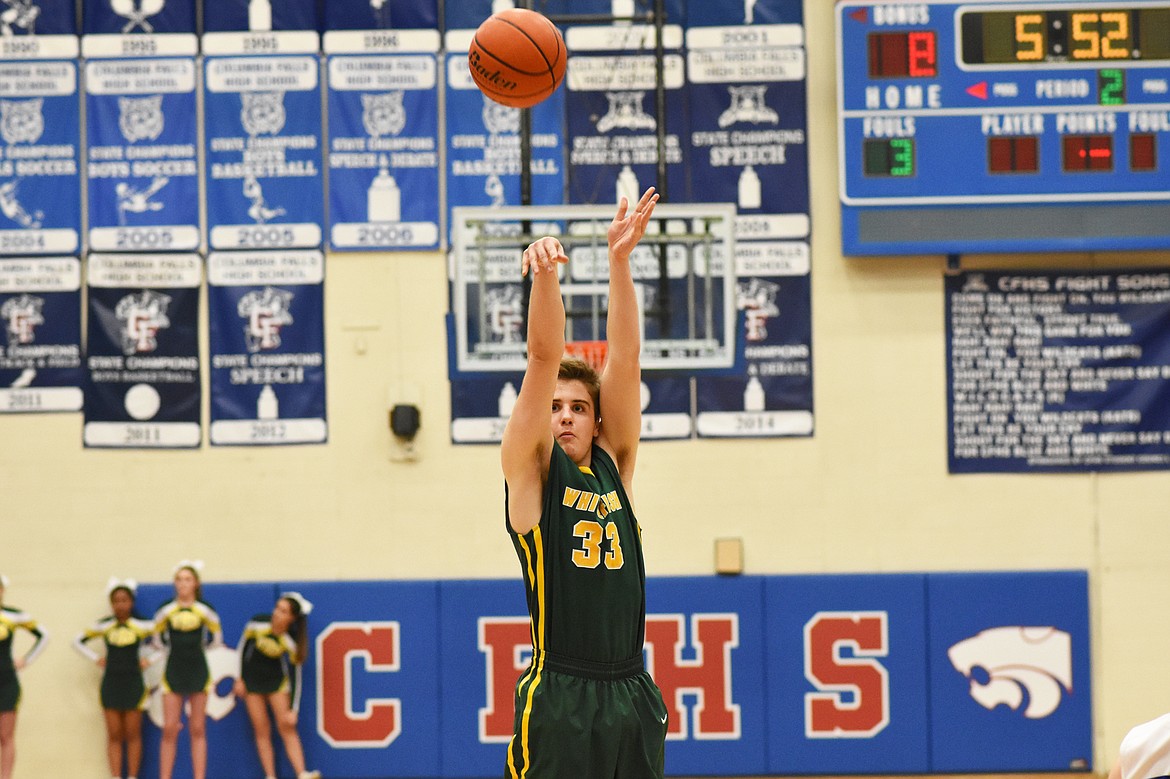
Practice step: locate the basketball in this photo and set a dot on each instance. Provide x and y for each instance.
(517, 57)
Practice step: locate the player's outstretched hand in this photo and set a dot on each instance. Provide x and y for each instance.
(542, 255)
(627, 229)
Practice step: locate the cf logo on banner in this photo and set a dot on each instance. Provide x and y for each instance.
(339, 721)
(854, 690)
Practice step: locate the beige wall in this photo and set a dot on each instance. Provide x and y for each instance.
(868, 493)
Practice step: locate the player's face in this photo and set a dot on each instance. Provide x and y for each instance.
(574, 420)
(122, 603)
(282, 616)
(185, 584)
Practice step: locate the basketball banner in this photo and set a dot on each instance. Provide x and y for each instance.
(40, 346)
(40, 137)
(264, 177)
(142, 160)
(142, 354)
(266, 312)
(483, 137)
(383, 140)
(761, 675)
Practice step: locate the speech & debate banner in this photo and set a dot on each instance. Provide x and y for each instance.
(40, 345)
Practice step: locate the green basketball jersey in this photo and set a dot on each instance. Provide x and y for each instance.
(582, 565)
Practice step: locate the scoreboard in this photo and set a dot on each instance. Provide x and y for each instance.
(1003, 127)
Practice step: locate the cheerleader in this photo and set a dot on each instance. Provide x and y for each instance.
(272, 649)
(12, 618)
(187, 626)
(129, 649)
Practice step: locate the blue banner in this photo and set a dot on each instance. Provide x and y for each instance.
(847, 678)
(383, 14)
(137, 17)
(142, 158)
(384, 142)
(793, 675)
(260, 15)
(1058, 371)
(142, 351)
(264, 154)
(36, 19)
(751, 150)
(40, 170)
(267, 323)
(1010, 682)
(40, 347)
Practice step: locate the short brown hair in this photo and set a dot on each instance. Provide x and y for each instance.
(576, 369)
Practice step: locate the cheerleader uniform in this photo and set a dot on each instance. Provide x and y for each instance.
(186, 631)
(267, 660)
(12, 618)
(126, 642)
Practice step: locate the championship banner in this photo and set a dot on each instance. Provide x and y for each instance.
(1058, 371)
(40, 348)
(752, 151)
(266, 312)
(260, 15)
(35, 24)
(143, 162)
(138, 17)
(388, 15)
(40, 135)
(143, 351)
(265, 185)
(483, 136)
(383, 140)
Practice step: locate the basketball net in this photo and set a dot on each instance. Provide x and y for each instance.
(592, 352)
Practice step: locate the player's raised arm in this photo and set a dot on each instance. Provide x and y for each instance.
(527, 441)
(621, 379)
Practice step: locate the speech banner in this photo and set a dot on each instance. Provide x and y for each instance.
(266, 312)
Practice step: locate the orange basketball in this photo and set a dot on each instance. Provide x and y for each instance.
(517, 57)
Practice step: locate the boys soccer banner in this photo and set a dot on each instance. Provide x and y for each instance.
(40, 171)
(265, 185)
(267, 347)
(143, 154)
(383, 140)
(40, 340)
(143, 351)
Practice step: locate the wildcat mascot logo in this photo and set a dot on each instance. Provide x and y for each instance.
(1021, 667)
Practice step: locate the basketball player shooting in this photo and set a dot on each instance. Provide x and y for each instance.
(586, 707)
